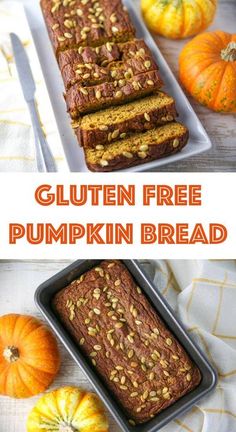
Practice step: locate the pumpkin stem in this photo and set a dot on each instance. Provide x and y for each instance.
(11, 354)
(229, 53)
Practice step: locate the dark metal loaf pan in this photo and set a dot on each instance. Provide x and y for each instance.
(43, 298)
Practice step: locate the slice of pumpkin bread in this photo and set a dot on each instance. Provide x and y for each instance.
(120, 122)
(82, 100)
(75, 23)
(89, 66)
(139, 148)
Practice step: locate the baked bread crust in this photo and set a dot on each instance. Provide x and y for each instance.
(74, 23)
(82, 100)
(104, 66)
(147, 117)
(138, 149)
(89, 66)
(118, 330)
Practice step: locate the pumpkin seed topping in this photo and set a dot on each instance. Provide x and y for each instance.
(142, 155)
(114, 29)
(119, 368)
(123, 379)
(130, 354)
(119, 325)
(104, 162)
(68, 35)
(61, 38)
(103, 128)
(123, 387)
(188, 377)
(97, 347)
(117, 282)
(151, 376)
(147, 64)
(128, 155)
(176, 143)
(55, 26)
(143, 147)
(169, 341)
(113, 18)
(147, 117)
(118, 94)
(145, 395)
(84, 91)
(138, 322)
(130, 338)
(109, 46)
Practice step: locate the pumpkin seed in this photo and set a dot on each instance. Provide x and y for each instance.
(175, 143)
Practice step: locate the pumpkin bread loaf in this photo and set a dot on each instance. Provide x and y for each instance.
(82, 100)
(75, 23)
(120, 122)
(118, 330)
(138, 149)
(89, 66)
(112, 85)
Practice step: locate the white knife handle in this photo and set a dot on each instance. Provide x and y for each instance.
(43, 152)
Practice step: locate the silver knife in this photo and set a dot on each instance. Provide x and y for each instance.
(45, 160)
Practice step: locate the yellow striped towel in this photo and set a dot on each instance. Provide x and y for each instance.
(203, 294)
(16, 136)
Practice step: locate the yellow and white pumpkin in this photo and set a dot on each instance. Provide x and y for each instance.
(177, 19)
(68, 409)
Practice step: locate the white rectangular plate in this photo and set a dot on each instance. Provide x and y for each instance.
(198, 141)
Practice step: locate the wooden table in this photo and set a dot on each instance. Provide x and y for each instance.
(18, 281)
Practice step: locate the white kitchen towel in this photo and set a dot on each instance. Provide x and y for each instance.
(16, 135)
(203, 294)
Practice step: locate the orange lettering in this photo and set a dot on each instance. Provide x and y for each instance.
(148, 234)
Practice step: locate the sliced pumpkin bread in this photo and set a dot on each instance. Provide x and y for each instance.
(120, 122)
(81, 100)
(139, 148)
(75, 23)
(89, 66)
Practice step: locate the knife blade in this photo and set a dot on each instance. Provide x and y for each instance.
(23, 68)
(44, 156)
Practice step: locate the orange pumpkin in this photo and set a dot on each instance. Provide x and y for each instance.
(208, 70)
(29, 357)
